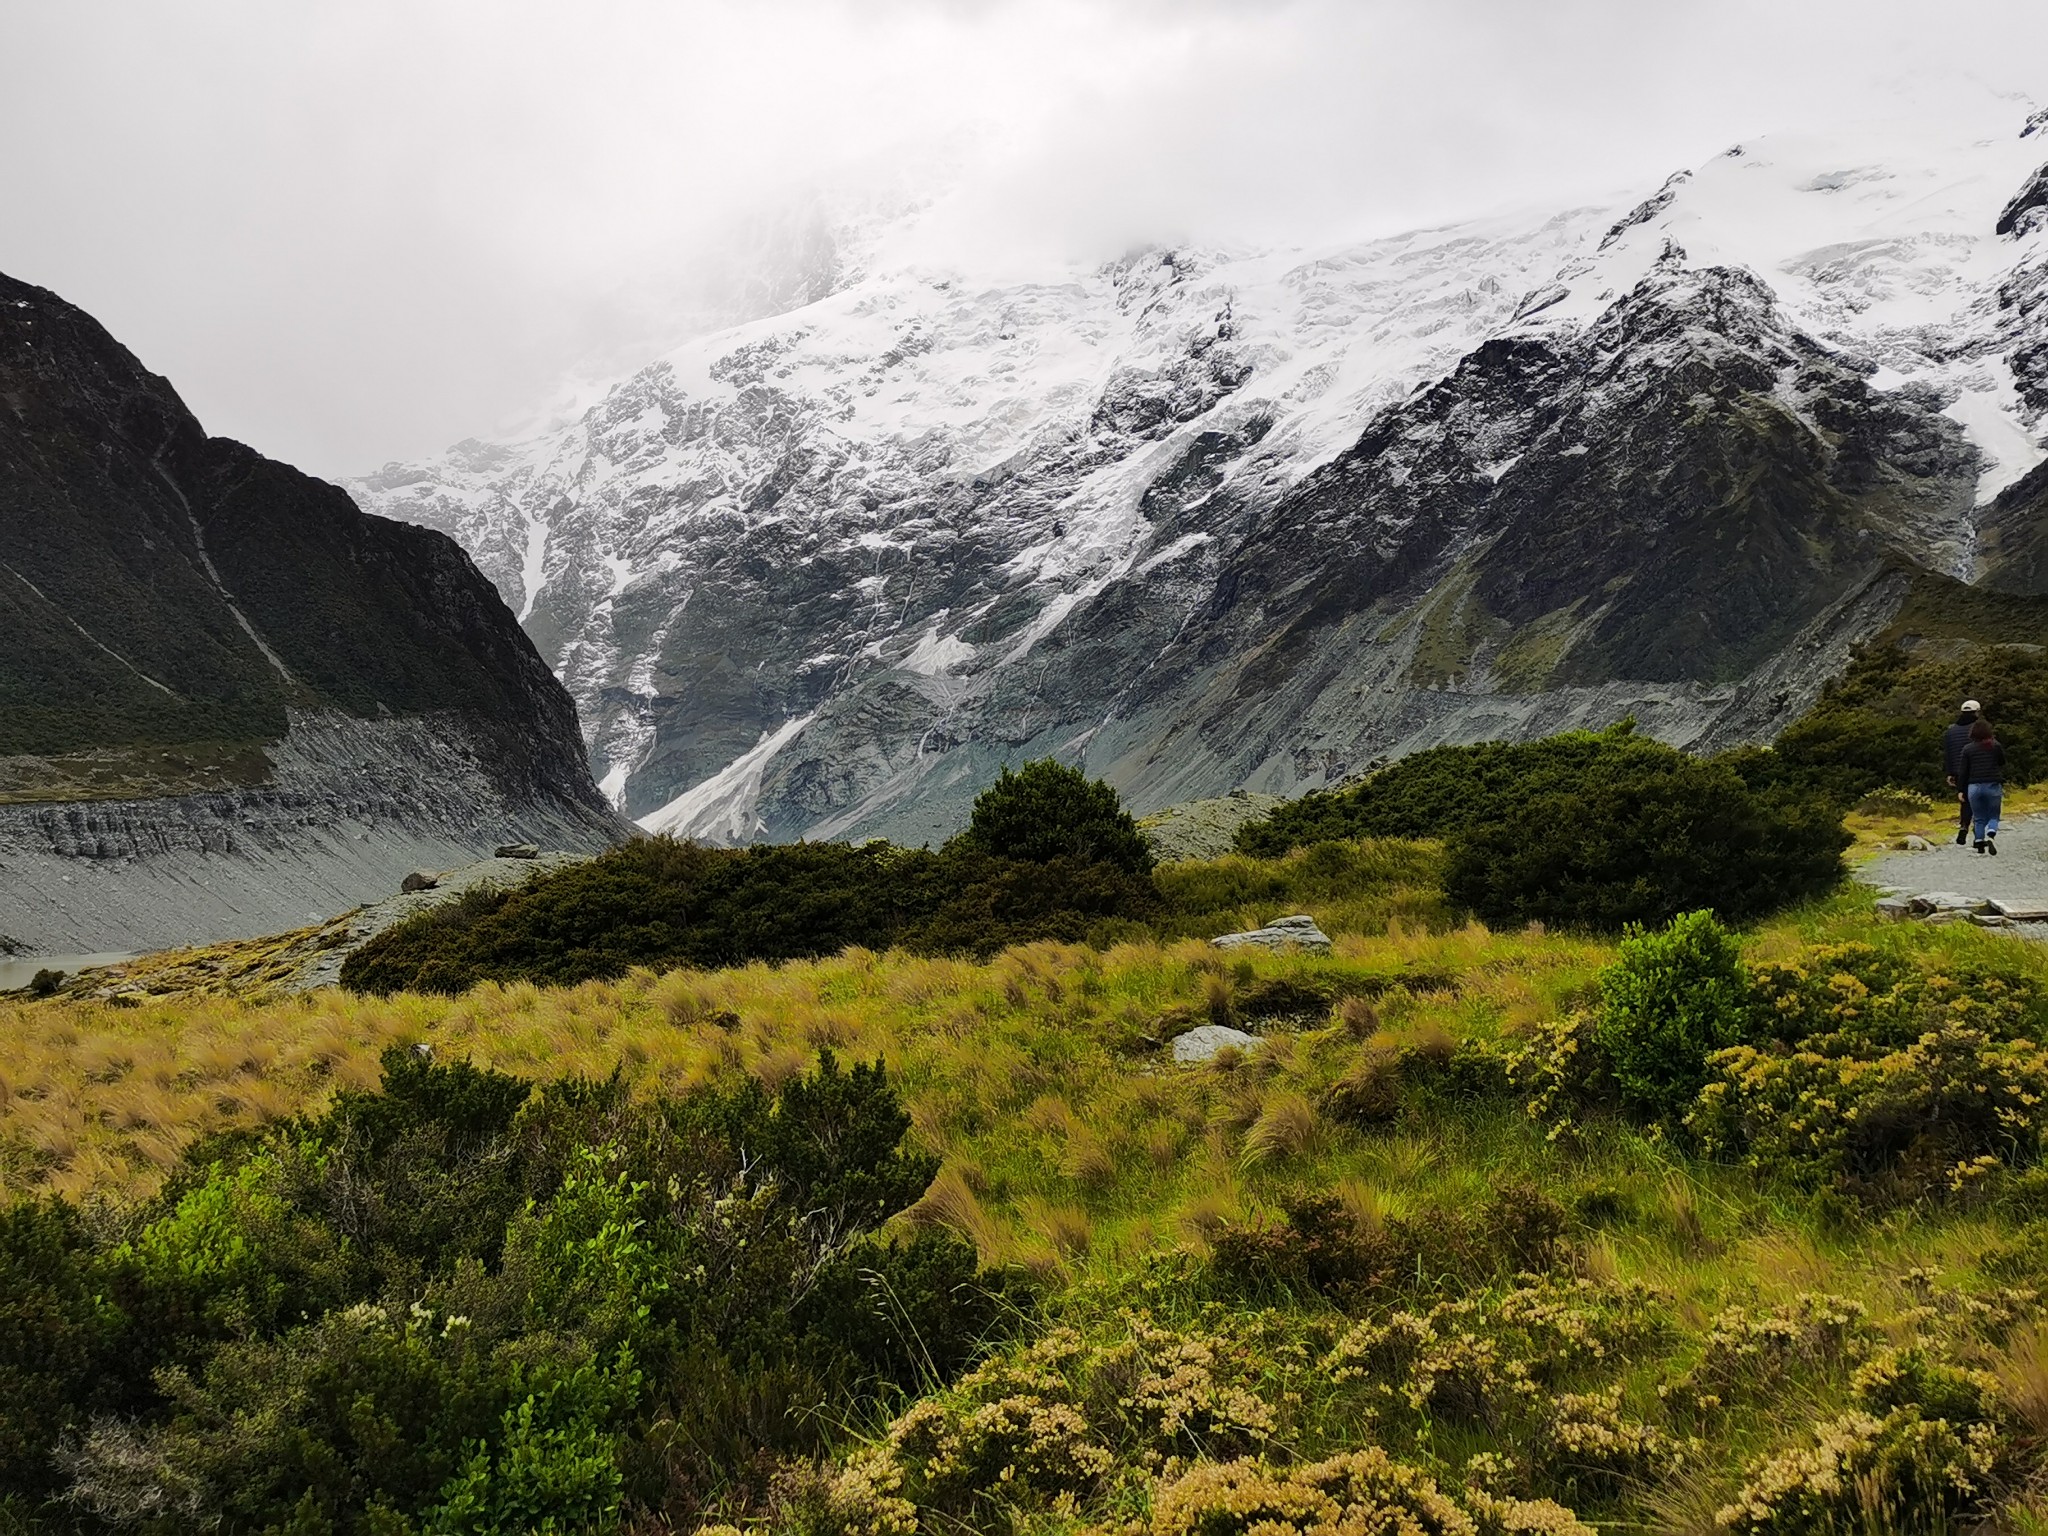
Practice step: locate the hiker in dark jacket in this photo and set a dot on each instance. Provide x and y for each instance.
(1981, 768)
(1953, 740)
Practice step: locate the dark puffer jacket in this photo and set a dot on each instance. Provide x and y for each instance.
(1953, 740)
(1982, 762)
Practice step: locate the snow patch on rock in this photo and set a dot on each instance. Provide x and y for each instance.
(721, 809)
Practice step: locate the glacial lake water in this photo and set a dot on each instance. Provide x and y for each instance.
(19, 972)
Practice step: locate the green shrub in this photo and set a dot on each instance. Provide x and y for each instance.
(1048, 811)
(1880, 723)
(1645, 834)
(1588, 830)
(1671, 998)
(56, 1335)
(1434, 793)
(662, 904)
(462, 1304)
(981, 904)
(554, 1469)
(233, 1254)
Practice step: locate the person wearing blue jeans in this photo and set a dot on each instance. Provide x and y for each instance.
(1981, 773)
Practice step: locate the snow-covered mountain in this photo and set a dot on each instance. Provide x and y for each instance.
(1201, 519)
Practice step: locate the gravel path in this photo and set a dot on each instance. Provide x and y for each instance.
(2017, 877)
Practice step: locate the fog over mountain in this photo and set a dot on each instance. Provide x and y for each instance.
(362, 233)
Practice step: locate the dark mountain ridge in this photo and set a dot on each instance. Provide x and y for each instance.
(175, 608)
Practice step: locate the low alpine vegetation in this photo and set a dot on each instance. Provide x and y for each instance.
(468, 1303)
(1589, 830)
(1050, 854)
(1679, 1226)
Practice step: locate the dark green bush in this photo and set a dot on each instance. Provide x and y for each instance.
(466, 1304)
(1434, 793)
(1644, 834)
(56, 1336)
(1880, 723)
(1048, 811)
(1052, 855)
(1670, 1000)
(1591, 830)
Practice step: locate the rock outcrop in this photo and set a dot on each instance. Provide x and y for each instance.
(1282, 934)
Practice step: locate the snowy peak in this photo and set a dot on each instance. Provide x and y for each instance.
(819, 573)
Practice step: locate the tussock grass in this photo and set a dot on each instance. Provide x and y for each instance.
(1042, 1068)
(1039, 1077)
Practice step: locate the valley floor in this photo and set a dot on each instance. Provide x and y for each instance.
(1073, 1148)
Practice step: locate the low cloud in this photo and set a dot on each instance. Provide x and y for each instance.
(353, 233)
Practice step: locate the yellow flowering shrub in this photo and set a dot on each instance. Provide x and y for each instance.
(1746, 1354)
(1591, 1443)
(1180, 1394)
(1884, 1074)
(1496, 1361)
(1360, 1493)
(1901, 1472)
(1927, 1120)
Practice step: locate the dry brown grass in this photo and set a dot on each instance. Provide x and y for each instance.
(1287, 1128)
(2023, 1376)
(1021, 1068)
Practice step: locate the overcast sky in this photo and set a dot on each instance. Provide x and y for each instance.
(357, 230)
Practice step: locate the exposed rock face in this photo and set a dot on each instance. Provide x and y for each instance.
(1205, 1042)
(1203, 522)
(179, 613)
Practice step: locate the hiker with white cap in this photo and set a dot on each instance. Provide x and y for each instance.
(1953, 740)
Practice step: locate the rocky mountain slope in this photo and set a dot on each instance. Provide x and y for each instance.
(228, 698)
(1203, 520)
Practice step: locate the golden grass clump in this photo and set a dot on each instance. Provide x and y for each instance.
(2022, 1371)
(1287, 1128)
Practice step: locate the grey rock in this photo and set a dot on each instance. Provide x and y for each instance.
(419, 880)
(1949, 901)
(516, 851)
(1205, 1041)
(1893, 909)
(1283, 933)
(1916, 844)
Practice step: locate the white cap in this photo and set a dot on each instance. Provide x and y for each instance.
(1972, 705)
